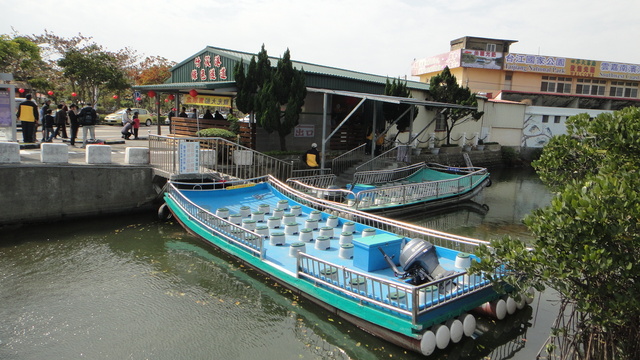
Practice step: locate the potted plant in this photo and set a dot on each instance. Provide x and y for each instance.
(466, 147)
(450, 149)
(480, 146)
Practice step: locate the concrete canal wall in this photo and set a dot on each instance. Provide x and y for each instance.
(35, 193)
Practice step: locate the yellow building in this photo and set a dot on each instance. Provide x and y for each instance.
(527, 98)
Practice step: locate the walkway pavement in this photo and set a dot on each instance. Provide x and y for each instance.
(107, 135)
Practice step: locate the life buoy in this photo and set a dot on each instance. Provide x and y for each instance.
(164, 214)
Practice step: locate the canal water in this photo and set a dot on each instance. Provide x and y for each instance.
(131, 287)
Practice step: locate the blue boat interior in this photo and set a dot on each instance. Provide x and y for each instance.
(366, 242)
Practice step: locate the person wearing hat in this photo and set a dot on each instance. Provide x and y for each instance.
(312, 156)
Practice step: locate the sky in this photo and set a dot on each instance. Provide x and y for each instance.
(380, 37)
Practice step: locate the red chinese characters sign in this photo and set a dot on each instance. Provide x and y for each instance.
(304, 131)
(207, 70)
(207, 100)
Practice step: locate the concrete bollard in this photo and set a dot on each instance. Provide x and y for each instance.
(54, 153)
(98, 154)
(9, 153)
(136, 156)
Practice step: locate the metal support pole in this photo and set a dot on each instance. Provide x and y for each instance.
(325, 105)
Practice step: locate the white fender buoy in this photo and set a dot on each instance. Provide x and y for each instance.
(496, 309)
(456, 330)
(522, 303)
(428, 343)
(511, 305)
(529, 295)
(468, 324)
(443, 336)
(164, 213)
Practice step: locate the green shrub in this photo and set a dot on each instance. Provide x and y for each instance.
(215, 132)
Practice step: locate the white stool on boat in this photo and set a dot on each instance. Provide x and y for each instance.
(249, 224)
(288, 218)
(263, 231)
(306, 235)
(349, 227)
(279, 213)
(463, 261)
(333, 221)
(235, 218)
(274, 222)
(296, 210)
(315, 215)
(346, 251)
(427, 294)
(311, 224)
(257, 216)
(291, 228)
(245, 211)
(296, 248)
(358, 284)
(368, 232)
(323, 243)
(329, 273)
(283, 204)
(222, 212)
(346, 238)
(326, 231)
(265, 208)
(277, 238)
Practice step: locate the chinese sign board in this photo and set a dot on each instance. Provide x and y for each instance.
(206, 68)
(304, 131)
(188, 157)
(572, 67)
(207, 100)
(436, 63)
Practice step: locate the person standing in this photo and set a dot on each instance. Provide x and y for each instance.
(136, 125)
(207, 115)
(183, 113)
(48, 123)
(218, 116)
(73, 120)
(61, 122)
(88, 119)
(28, 116)
(43, 112)
(312, 156)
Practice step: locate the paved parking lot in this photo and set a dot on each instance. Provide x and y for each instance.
(109, 135)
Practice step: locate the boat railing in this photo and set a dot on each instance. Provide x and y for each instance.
(385, 176)
(403, 194)
(317, 181)
(179, 155)
(245, 239)
(380, 161)
(464, 170)
(354, 156)
(394, 295)
(451, 241)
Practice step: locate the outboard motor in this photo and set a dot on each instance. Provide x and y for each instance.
(419, 261)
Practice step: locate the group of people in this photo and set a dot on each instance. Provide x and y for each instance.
(130, 125)
(30, 118)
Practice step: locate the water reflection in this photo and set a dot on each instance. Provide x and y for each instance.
(133, 288)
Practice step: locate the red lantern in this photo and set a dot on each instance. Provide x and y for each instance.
(151, 93)
(115, 96)
(50, 93)
(138, 99)
(193, 93)
(166, 100)
(21, 90)
(171, 97)
(74, 94)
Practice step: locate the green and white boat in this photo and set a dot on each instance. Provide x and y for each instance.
(403, 283)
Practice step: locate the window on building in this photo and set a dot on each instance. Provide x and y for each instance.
(624, 89)
(590, 87)
(556, 119)
(556, 84)
(441, 123)
(508, 76)
(491, 47)
(545, 118)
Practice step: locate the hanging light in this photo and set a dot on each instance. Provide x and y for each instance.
(50, 93)
(74, 94)
(193, 93)
(21, 90)
(151, 93)
(138, 99)
(115, 96)
(166, 100)
(171, 97)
